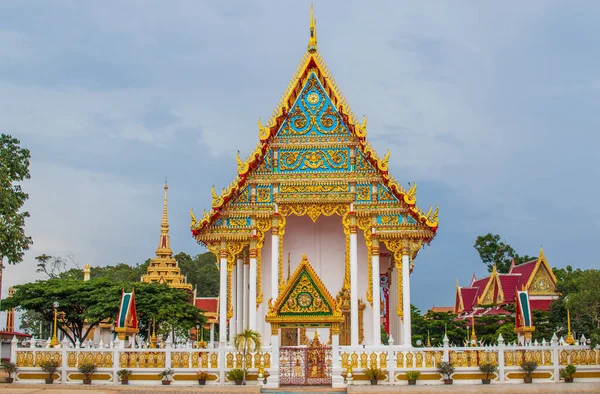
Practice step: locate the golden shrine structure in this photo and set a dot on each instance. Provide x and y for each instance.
(164, 268)
(314, 189)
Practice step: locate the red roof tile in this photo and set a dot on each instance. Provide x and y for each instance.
(469, 296)
(525, 269)
(207, 304)
(509, 283)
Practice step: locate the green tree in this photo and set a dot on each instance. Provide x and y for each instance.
(436, 324)
(34, 323)
(245, 342)
(201, 271)
(14, 169)
(580, 292)
(493, 250)
(84, 304)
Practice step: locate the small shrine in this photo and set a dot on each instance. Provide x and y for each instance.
(126, 324)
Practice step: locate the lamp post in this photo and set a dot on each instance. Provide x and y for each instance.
(54, 341)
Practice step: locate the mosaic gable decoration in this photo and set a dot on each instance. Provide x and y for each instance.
(304, 297)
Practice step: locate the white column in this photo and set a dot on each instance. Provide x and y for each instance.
(234, 316)
(223, 297)
(275, 259)
(252, 323)
(273, 380)
(376, 293)
(212, 335)
(246, 288)
(406, 332)
(353, 281)
(239, 303)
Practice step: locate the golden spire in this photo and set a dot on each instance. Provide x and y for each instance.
(164, 243)
(312, 41)
(473, 335)
(569, 339)
(428, 339)
(164, 268)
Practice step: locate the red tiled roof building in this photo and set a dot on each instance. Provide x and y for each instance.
(489, 295)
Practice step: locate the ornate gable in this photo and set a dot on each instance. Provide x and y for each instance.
(542, 280)
(304, 297)
(313, 151)
(492, 294)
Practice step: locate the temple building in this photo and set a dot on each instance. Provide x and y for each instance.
(489, 295)
(164, 268)
(315, 191)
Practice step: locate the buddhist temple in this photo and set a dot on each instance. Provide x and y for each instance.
(314, 189)
(488, 295)
(163, 268)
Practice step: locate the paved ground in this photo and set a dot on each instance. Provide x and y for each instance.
(96, 389)
(454, 389)
(479, 388)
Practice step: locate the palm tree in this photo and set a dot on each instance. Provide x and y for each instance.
(245, 342)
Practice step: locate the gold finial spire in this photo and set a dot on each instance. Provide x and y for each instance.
(165, 219)
(569, 339)
(473, 335)
(312, 41)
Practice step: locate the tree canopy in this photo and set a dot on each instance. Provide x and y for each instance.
(493, 250)
(14, 169)
(84, 304)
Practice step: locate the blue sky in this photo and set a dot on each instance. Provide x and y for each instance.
(491, 107)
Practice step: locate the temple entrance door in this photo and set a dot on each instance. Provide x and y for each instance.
(305, 366)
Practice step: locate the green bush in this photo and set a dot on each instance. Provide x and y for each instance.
(235, 374)
(166, 374)
(528, 367)
(373, 373)
(50, 367)
(413, 375)
(87, 369)
(446, 369)
(568, 371)
(124, 373)
(10, 368)
(488, 369)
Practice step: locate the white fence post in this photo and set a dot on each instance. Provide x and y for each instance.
(446, 356)
(555, 355)
(13, 349)
(501, 358)
(222, 363)
(116, 363)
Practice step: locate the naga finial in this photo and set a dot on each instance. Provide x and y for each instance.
(193, 217)
(383, 164)
(435, 214)
(412, 190)
(312, 41)
(429, 212)
(264, 132)
(215, 197)
(361, 131)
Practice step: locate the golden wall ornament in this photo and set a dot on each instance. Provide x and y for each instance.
(346, 225)
(314, 210)
(364, 223)
(262, 225)
(396, 246)
(282, 223)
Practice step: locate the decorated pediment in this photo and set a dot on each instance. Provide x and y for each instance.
(542, 280)
(304, 296)
(492, 294)
(314, 150)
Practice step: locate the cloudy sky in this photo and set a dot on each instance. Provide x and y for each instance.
(492, 107)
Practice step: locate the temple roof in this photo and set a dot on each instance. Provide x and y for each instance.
(535, 276)
(313, 138)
